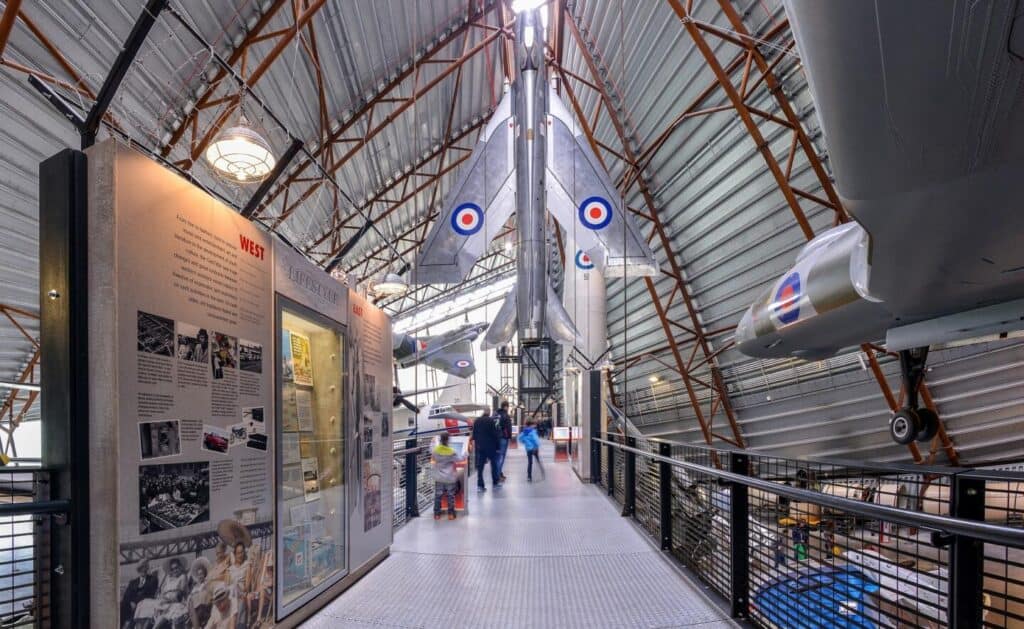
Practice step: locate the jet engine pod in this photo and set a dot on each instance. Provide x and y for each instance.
(820, 305)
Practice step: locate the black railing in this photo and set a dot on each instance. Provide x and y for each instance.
(27, 520)
(413, 488)
(805, 543)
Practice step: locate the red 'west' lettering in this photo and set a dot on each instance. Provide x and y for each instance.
(249, 245)
(358, 310)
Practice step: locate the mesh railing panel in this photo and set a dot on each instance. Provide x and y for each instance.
(25, 559)
(648, 505)
(813, 564)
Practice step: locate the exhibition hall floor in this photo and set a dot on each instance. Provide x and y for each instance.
(553, 553)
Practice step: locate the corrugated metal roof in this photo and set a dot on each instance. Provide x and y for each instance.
(728, 225)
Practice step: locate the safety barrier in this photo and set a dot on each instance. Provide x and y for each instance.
(27, 517)
(808, 543)
(413, 489)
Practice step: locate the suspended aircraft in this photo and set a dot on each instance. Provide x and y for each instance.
(925, 134)
(531, 157)
(450, 352)
(453, 411)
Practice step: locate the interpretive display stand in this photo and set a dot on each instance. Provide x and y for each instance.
(238, 427)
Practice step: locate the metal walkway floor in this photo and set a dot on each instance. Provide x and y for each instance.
(548, 554)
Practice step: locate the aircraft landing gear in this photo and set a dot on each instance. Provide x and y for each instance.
(912, 423)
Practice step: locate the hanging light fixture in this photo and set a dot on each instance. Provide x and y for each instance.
(240, 154)
(390, 285)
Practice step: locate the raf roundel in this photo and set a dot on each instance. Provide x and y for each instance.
(467, 219)
(583, 260)
(462, 364)
(595, 213)
(787, 299)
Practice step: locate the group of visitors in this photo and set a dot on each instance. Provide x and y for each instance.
(490, 438)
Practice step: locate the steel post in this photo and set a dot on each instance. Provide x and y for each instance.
(739, 524)
(64, 331)
(665, 495)
(966, 554)
(412, 504)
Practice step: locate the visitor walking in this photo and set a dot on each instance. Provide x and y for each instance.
(445, 476)
(504, 425)
(485, 443)
(531, 443)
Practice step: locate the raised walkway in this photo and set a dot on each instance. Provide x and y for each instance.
(553, 554)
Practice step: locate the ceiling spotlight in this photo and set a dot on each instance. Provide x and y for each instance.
(240, 154)
(653, 378)
(390, 285)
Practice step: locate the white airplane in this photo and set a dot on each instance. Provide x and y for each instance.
(925, 134)
(909, 588)
(452, 412)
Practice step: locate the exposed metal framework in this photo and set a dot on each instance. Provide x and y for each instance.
(739, 98)
(19, 400)
(694, 330)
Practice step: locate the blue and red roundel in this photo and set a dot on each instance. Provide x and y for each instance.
(462, 364)
(467, 219)
(583, 260)
(787, 299)
(595, 213)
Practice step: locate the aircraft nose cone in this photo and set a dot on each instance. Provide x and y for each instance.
(745, 328)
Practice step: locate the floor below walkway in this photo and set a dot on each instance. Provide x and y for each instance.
(553, 553)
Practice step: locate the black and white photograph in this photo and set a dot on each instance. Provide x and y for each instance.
(193, 343)
(223, 354)
(370, 396)
(216, 439)
(155, 334)
(173, 495)
(250, 356)
(159, 439)
(257, 442)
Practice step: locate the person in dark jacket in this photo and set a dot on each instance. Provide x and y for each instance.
(485, 443)
(139, 589)
(504, 436)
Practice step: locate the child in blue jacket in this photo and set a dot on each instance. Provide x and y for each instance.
(531, 442)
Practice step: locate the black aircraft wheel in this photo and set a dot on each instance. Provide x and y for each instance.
(929, 424)
(904, 426)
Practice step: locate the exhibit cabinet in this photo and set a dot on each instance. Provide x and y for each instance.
(238, 401)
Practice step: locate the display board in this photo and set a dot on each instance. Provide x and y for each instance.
(192, 307)
(369, 372)
(184, 334)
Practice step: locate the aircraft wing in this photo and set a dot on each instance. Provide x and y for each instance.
(583, 199)
(456, 359)
(476, 208)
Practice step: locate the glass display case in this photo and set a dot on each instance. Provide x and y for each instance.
(311, 553)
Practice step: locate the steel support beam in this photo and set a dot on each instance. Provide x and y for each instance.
(7, 23)
(658, 229)
(279, 168)
(367, 110)
(122, 63)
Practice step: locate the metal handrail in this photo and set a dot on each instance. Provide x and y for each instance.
(415, 450)
(32, 508)
(993, 533)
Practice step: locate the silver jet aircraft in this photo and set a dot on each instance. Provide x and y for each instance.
(925, 131)
(450, 352)
(532, 156)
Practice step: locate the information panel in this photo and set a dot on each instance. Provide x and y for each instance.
(193, 398)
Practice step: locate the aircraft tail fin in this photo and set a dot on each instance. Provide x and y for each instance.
(504, 324)
(456, 391)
